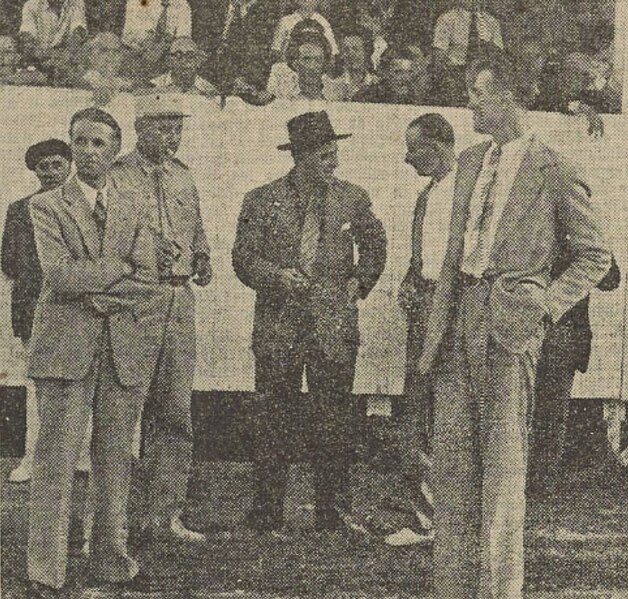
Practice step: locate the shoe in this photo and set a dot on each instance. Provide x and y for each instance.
(328, 519)
(179, 532)
(95, 582)
(406, 537)
(176, 531)
(21, 474)
(37, 590)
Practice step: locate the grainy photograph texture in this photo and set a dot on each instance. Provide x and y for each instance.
(316, 299)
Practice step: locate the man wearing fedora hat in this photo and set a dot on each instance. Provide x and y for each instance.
(172, 202)
(295, 246)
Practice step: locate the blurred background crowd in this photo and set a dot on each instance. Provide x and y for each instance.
(378, 51)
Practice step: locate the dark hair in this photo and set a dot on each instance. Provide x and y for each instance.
(43, 149)
(292, 51)
(96, 115)
(504, 75)
(435, 126)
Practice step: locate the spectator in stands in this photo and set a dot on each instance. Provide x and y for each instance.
(306, 9)
(237, 36)
(49, 24)
(357, 74)
(10, 71)
(403, 80)
(185, 59)
(462, 34)
(551, 21)
(304, 75)
(149, 28)
(103, 75)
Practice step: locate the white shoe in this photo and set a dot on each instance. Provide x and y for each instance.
(22, 473)
(406, 537)
(427, 493)
(181, 533)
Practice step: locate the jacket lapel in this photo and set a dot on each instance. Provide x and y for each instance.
(525, 188)
(116, 234)
(79, 210)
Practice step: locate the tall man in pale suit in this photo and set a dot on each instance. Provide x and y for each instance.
(495, 294)
(95, 338)
(172, 205)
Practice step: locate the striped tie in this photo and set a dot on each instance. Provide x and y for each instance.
(310, 237)
(476, 261)
(100, 214)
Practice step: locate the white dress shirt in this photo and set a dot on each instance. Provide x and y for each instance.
(90, 193)
(142, 18)
(50, 30)
(288, 23)
(451, 33)
(436, 226)
(512, 154)
(283, 83)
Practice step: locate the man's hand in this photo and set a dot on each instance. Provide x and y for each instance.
(405, 297)
(202, 270)
(293, 281)
(596, 124)
(353, 290)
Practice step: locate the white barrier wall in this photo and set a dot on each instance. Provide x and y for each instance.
(233, 150)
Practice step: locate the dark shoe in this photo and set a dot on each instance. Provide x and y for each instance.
(37, 590)
(261, 521)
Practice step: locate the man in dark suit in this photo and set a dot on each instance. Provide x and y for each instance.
(295, 246)
(566, 350)
(237, 36)
(512, 198)
(51, 161)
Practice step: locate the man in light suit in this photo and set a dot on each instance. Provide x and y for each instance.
(295, 246)
(96, 332)
(171, 203)
(512, 197)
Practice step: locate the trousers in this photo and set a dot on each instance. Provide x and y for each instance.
(482, 395)
(325, 417)
(168, 435)
(64, 411)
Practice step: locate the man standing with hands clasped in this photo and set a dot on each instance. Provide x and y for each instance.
(172, 203)
(295, 247)
(96, 332)
(513, 197)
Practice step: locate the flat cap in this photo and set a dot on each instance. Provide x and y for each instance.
(43, 149)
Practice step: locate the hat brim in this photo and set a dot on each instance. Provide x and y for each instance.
(289, 146)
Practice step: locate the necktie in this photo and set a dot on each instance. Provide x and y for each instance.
(473, 45)
(162, 23)
(100, 214)
(417, 231)
(310, 237)
(477, 259)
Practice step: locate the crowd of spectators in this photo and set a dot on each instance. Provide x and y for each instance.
(378, 51)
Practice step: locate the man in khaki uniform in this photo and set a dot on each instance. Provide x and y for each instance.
(171, 199)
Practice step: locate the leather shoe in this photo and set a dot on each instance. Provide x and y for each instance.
(37, 590)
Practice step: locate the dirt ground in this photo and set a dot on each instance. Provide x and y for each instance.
(575, 545)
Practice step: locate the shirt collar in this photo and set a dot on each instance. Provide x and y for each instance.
(514, 146)
(90, 193)
(147, 166)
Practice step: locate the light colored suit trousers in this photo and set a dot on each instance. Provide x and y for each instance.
(480, 452)
(64, 409)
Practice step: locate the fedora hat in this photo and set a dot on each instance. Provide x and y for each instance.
(150, 104)
(310, 131)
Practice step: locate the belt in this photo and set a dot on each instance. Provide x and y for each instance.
(467, 280)
(175, 281)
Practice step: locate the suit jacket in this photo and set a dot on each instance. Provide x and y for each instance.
(21, 264)
(246, 50)
(547, 198)
(268, 239)
(85, 290)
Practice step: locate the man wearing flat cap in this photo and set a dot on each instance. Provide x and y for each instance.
(51, 161)
(172, 201)
(295, 246)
